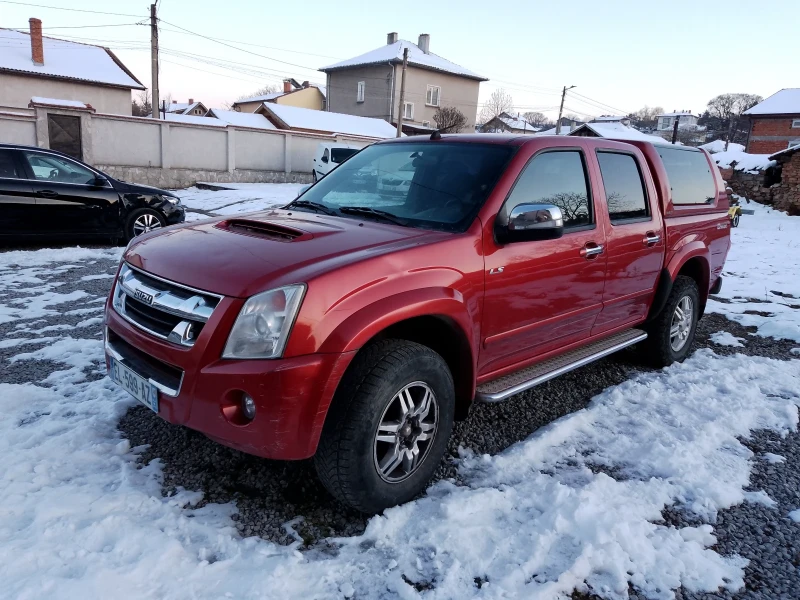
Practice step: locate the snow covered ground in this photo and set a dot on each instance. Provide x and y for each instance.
(244, 197)
(577, 505)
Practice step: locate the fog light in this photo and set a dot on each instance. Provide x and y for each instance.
(248, 407)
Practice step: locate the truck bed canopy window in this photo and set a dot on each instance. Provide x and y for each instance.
(689, 173)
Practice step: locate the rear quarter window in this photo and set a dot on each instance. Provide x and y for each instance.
(690, 176)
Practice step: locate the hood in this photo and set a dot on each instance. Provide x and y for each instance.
(124, 187)
(241, 256)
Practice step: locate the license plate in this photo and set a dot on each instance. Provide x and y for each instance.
(136, 385)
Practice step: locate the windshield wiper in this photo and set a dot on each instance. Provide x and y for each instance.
(319, 207)
(372, 212)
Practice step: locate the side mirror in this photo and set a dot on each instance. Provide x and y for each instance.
(100, 181)
(529, 222)
(324, 159)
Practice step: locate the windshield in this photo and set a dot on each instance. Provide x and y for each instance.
(430, 185)
(339, 155)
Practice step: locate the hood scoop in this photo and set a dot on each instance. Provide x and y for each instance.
(261, 229)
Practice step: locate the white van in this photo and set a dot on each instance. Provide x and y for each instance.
(329, 156)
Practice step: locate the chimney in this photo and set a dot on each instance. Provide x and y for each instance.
(174, 101)
(191, 100)
(424, 43)
(287, 86)
(37, 52)
(391, 38)
(305, 84)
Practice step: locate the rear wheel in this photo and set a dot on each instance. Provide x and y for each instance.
(735, 221)
(671, 334)
(141, 221)
(388, 426)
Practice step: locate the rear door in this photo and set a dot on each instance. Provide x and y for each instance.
(68, 200)
(17, 204)
(634, 238)
(543, 295)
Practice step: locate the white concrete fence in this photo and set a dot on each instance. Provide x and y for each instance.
(169, 154)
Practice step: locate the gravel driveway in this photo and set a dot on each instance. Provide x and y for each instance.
(269, 494)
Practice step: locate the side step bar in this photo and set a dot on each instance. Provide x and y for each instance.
(506, 386)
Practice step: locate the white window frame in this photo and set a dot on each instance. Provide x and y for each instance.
(408, 115)
(792, 143)
(426, 123)
(795, 123)
(360, 91)
(429, 93)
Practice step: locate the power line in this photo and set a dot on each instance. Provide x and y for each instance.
(96, 12)
(599, 104)
(24, 28)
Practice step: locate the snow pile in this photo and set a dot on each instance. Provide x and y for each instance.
(719, 146)
(194, 120)
(537, 521)
(742, 161)
(64, 59)
(58, 102)
(762, 275)
(725, 338)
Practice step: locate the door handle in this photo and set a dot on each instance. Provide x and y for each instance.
(590, 250)
(651, 238)
(47, 194)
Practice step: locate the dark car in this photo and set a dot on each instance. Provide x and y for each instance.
(46, 193)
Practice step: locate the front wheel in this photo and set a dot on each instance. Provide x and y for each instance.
(141, 221)
(735, 221)
(671, 334)
(388, 426)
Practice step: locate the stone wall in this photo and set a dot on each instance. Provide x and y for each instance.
(758, 185)
(183, 178)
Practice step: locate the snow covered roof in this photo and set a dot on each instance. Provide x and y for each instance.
(784, 102)
(565, 130)
(195, 120)
(789, 150)
(618, 131)
(322, 90)
(609, 119)
(293, 117)
(240, 119)
(183, 107)
(676, 114)
(67, 60)
(394, 53)
(517, 123)
(59, 102)
(719, 146)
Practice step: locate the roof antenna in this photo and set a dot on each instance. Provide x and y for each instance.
(436, 135)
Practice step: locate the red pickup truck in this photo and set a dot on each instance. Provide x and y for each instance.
(358, 322)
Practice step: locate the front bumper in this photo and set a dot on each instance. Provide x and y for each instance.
(203, 392)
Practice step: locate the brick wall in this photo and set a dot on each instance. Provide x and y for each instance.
(769, 135)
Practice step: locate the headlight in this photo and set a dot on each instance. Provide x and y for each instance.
(171, 199)
(264, 323)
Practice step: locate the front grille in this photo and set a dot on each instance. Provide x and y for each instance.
(162, 308)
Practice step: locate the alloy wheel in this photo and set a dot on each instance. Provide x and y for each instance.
(681, 325)
(144, 223)
(405, 432)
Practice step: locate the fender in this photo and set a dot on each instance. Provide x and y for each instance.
(685, 253)
(357, 329)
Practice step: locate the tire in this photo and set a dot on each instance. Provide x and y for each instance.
(735, 221)
(141, 221)
(663, 345)
(352, 463)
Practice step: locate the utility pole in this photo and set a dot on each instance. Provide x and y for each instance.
(561, 108)
(675, 129)
(154, 61)
(402, 94)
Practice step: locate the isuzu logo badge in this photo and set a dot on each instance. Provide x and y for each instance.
(143, 296)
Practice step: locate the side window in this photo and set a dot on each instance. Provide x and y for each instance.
(625, 193)
(8, 168)
(325, 156)
(557, 178)
(360, 91)
(54, 168)
(689, 174)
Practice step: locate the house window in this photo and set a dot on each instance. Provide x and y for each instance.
(795, 123)
(432, 95)
(408, 110)
(793, 143)
(360, 93)
(665, 123)
(426, 123)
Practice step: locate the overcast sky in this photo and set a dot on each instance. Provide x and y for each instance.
(620, 54)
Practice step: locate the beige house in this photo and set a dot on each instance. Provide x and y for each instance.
(32, 65)
(301, 95)
(369, 85)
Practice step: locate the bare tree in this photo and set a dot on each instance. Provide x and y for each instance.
(729, 108)
(499, 102)
(574, 206)
(141, 105)
(646, 117)
(535, 119)
(449, 119)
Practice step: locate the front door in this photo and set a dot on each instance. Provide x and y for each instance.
(68, 199)
(542, 295)
(634, 244)
(17, 205)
